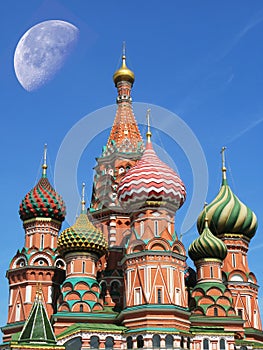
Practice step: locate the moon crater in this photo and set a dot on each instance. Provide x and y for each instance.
(42, 51)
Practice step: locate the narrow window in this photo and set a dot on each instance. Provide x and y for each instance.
(233, 260)
(156, 341)
(206, 344)
(140, 342)
(222, 344)
(129, 343)
(188, 342)
(215, 311)
(42, 242)
(211, 272)
(159, 295)
(169, 341)
(240, 313)
(18, 311)
(156, 228)
(94, 342)
(28, 294)
(83, 266)
(137, 296)
(109, 343)
(182, 343)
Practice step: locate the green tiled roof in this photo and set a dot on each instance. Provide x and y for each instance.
(37, 327)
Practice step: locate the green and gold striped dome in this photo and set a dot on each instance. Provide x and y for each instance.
(207, 246)
(82, 237)
(227, 214)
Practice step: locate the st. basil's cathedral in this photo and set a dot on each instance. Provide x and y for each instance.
(118, 278)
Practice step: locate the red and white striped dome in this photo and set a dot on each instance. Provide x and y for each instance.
(151, 183)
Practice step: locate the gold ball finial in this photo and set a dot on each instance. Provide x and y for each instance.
(123, 73)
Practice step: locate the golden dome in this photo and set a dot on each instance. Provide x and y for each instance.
(123, 73)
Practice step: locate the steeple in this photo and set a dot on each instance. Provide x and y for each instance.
(148, 134)
(37, 328)
(123, 73)
(44, 166)
(223, 164)
(83, 202)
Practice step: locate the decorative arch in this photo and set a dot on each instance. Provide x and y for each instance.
(20, 261)
(239, 276)
(158, 244)
(80, 306)
(60, 263)
(135, 243)
(39, 257)
(178, 248)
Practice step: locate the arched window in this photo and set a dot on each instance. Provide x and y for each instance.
(83, 266)
(215, 311)
(206, 344)
(169, 341)
(140, 342)
(109, 343)
(182, 343)
(115, 288)
(94, 342)
(188, 342)
(81, 308)
(222, 344)
(156, 341)
(129, 343)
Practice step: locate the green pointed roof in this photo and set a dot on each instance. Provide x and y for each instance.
(37, 328)
(207, 246)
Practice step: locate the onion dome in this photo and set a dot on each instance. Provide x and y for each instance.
(207, 246)
(82, 236)
(227, 214)
(123, 73)
(151, 183)
(42, 201)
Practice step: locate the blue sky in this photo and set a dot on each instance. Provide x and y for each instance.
(200, 60)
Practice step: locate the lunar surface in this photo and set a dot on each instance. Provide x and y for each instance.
(42, 51)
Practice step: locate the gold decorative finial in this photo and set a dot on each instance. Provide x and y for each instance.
(148, 134)
(123, 73)
(83, 198)
(44, 166)
(223, 162)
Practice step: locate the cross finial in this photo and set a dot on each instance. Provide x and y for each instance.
(83, 198)
(123, 49)
(148, 134)
(44, 166)
(223, 162)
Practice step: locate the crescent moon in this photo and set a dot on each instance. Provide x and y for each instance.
(42, 51)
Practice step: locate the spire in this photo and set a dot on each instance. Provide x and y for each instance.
(223, 164)
(83, 209)
(123, 73)
(44, 166)
(148, 134)
(37, 328)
